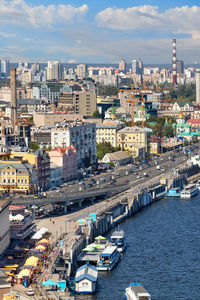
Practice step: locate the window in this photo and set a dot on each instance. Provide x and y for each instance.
(4, 181)
(8, 173)
(13, 173)
(22, 181)
(8, 180)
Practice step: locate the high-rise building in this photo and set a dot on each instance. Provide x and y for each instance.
(198, 86)
(81, 71)
(122, 65)
(179, 66)
(5, 68)
(54, 70)
(174, 66)
(13, 96)
(137, 66)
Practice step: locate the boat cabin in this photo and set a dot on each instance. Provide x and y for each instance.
(86, 279)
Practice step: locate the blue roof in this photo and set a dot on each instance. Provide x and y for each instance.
(85, 275)
(135, 284)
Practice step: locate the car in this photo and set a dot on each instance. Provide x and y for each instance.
(135, 173)
(138, 177)
(126, 181)
(89, 185)
(145, 174)
(30, 292)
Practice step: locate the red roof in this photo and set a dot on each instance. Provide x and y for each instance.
(194, 121)
(17, 207)
(64, 149)
(155, 139)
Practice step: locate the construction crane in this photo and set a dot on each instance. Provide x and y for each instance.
(132, 101)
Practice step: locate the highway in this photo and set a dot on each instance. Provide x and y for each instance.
(125, 178)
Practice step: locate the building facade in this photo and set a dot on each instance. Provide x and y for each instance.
(134, 138)
(66, 159)
(81, 135)
(4, 225)
(107, 132)
(17, 176)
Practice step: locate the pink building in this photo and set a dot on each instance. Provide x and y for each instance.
(66, 158)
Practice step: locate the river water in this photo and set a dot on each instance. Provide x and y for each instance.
(163, 253)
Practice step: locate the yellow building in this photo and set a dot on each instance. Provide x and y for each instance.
(107, 132)
(17, 176)
(135, 140)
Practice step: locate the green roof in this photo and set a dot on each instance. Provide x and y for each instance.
(181, 125)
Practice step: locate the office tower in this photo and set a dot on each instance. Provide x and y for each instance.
(13, 96)
(198, 86)
(54, 70)
(122, 65)
(174, 68)
(5, 68)
(81, 71)
(179, 66)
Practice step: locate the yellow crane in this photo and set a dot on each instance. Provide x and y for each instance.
(132, 101)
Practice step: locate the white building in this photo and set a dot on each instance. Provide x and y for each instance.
(81, 135)
(54, 70)
(4, 225)
(81, 71)
(86, 279)
(5, 68)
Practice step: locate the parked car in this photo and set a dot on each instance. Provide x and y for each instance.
(30, 292)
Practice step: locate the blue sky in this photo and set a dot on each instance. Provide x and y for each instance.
(99, 31)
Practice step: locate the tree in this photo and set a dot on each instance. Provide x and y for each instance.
(34, 146)
(168, 131)
(87, 162)
(105, 147)
(96, 114)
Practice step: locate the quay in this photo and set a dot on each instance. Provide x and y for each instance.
(78, 229)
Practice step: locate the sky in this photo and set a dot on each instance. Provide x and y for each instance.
(99, 31)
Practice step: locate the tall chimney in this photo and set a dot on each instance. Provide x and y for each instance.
(174, 67)
(13, 96)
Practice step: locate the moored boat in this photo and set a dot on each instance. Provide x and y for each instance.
(136, 291)
(108, 258)
(189, 191)
(86, 279)
(118, 239)
(174, 192)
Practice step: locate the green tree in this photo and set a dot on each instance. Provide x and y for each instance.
(105, 147)
(34, 146)
(96, 114)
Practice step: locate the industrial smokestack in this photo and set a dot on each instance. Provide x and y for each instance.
(13, 96)
(174, 66)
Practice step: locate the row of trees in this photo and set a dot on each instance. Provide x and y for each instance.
(183, 91)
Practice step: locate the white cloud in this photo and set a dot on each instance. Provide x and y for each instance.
(19, 12)
(184, 20)
(7, 35)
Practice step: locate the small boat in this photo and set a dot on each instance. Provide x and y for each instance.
(189, 191)
(174, 192)
(108, 258)
(86, 279)
(136, 292)
(118, 239)
(198, 184)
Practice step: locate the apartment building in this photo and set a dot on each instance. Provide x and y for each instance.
(81, 135)
(63, 158)
(17, 176)
(134, 139)
(107, 131)
(80, 102)
(4, 225)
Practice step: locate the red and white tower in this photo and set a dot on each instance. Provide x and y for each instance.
(174, 67)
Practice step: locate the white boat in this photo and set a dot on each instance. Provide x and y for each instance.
(86, 279)
(118, 239)
(189, 191)
(136, 292)
(108, 258)
(198, 184)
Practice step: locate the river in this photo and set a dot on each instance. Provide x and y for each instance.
(163, 253)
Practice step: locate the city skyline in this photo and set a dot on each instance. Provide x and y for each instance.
(81, 31)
